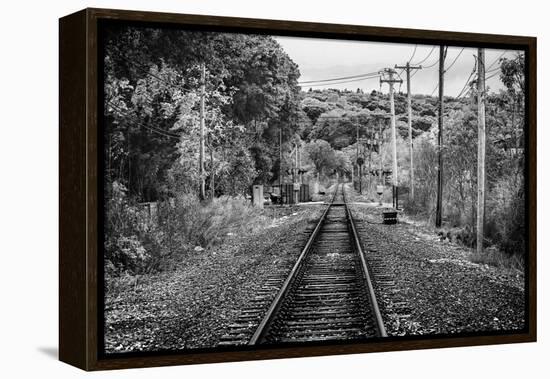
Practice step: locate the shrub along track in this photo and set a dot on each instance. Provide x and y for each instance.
(425, 286)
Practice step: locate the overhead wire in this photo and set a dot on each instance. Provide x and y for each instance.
(414, 52)
(147, 71)
(493, 75)
(496, 60)
(153, 129)
(433, 64)
(427, 56)
(343, 82)
(436, 87)
(340, 78)
(467, 82)
(454, 61)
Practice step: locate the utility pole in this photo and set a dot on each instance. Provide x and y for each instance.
(480, 148)
(371, 129)
(212, 170)
(296, 164)
(281, 158)
(391, 80)
(357, 156)
(352, 169)
(408, 69)
(202, 192)
(438, 211)
(380, 140)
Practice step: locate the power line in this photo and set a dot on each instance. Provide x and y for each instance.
(153, 129)
(414, 52)
(454, 61)
(427, 56)
(467, 82)
(340, 78)
(492, 70)
(436, 87)
(343, 82)
(495, 61)
(145, 69)
(433, 64)
(493, 75)
(366, 75)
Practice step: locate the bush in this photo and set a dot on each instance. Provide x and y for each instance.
(506, 216)
(137, 243)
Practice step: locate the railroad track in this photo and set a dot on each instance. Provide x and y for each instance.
(328, 294)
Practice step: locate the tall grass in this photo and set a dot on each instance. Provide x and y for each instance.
(498, 258)
(139, 243)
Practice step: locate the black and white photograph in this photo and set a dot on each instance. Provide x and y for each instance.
(277, 190)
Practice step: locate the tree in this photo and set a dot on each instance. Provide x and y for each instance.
(321, 154)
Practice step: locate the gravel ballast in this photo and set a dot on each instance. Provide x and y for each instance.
(191, 306)
(430, 286)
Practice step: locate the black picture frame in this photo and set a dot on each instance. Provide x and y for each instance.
(80, 196)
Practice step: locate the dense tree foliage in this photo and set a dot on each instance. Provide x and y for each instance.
(152, 94)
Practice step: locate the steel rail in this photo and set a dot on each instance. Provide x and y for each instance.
(370, 289)
(262, 329)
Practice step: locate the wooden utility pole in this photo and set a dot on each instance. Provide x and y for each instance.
(439, 204)
(296, 164)
(212, 170)
(357, 157)
(408, 69)
(480, 148)
(370, 157)
(281, 158)
(391, 80)
(202, 191)
(380, 140)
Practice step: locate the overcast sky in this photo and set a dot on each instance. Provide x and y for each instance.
(326, 59)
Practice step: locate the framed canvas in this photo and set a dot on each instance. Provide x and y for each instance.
(239, 189)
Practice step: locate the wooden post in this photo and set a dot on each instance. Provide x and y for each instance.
(480, 148)
(439, 205)
(202, 192)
